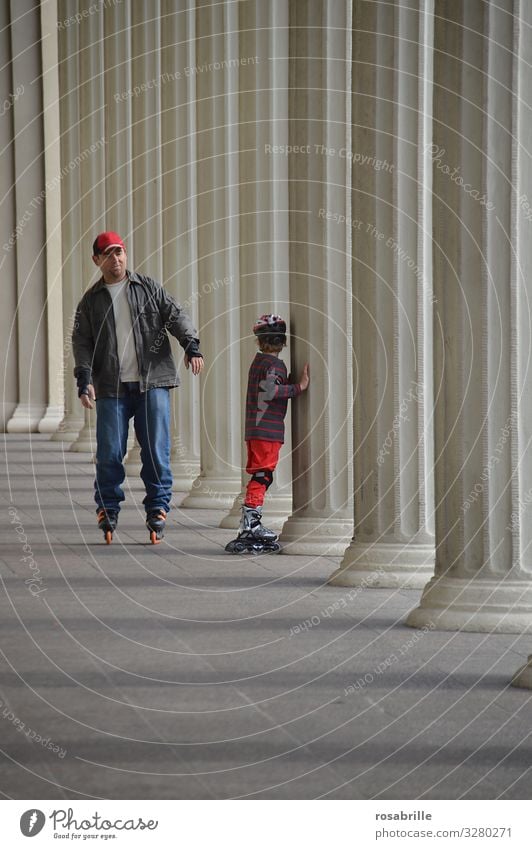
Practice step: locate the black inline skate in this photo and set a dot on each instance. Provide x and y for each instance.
(107, 522)
(253, 537)
(155, 522)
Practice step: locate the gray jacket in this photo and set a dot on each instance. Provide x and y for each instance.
(154, 314)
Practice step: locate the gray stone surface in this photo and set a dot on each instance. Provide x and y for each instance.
(177, 671)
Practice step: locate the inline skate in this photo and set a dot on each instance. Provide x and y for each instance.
(107, 522)
(155, 522)
(253, 537)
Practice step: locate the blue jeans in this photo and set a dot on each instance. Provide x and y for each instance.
(151, 413)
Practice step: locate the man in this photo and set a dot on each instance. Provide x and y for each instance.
(124, 363)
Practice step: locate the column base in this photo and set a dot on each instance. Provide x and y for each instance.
(209, 493)
(184, 472)
(523, 676)
(232, 520)
(474, 604)
(26, 418)
(86, 441)
(69, 429)
(184, 478)
(276, 510)
(132, 461)
(51, 421)
(380, 564)
(313, 535)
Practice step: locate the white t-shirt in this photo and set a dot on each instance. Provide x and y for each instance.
(127, 355)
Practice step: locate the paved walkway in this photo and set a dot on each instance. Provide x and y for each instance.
(177, 671)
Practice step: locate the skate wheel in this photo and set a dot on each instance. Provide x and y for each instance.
(235, 547)
(153, 538)
(108, 537)
(275, 548)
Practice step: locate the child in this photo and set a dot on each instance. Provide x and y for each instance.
(266, 402)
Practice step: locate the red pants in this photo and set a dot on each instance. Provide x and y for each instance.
(262, 456)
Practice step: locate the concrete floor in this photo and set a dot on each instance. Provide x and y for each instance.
(180, 672)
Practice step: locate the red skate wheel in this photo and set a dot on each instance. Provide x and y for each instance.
(153, 538)
(108, 537)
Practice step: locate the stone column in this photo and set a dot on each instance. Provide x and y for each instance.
(320, 284)
(119, 125)
(132, 460)
(93, 143)
(264, 249)
(52, 172)
(180, 219)
(8, 222)
(145, 244)
(119, 149)
(393, 543)
(30, 193)
(483, 283)
(218, 246)
(71, 243)
(523, 107)
(523, 676)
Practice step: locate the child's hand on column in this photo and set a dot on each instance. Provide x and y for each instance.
(304, 380)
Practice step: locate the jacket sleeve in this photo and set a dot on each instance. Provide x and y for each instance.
(82, 346)
(178, 323)
(287, 390)
(279, 386)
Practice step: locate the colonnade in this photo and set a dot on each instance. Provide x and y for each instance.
(361, 168)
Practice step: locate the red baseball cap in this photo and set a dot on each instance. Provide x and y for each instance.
(105, 241)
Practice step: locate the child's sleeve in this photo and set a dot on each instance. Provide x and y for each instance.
(280, 387)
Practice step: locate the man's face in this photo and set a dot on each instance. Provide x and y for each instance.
(112, 264)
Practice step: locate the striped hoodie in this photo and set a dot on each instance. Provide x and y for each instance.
(267, 398)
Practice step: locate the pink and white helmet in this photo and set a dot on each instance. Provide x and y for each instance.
(272, 328)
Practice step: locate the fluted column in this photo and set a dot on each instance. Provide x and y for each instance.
(92, 167)
(54, 411)
(30, 193)
(180, 218)
(393, 543)
(132, 459)
(523, 676)
(145, 245)
(119, 125)
(8, 222)
(523, 105)
(320, 286)
(119, 151)
(218, 240)
(483, 283)
(264, 248)
(71, 244)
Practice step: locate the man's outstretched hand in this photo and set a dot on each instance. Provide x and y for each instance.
(195, 363)
(304, 380)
